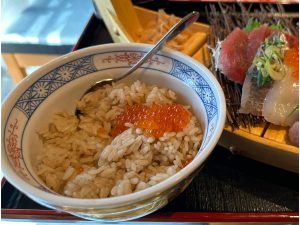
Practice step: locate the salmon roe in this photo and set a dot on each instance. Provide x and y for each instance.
(291, 60)
(154, 120)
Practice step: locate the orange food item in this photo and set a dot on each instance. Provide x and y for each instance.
(154, 120)
(291, 60)
(186, 162)
(101, 131)
(78, 169)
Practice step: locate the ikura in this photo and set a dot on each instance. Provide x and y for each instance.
(291, 60)
(154, 120)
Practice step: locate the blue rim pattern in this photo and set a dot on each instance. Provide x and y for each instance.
(53, 80)
(195, 81)
(56, 78)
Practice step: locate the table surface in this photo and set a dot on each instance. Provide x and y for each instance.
(46, 27)
(226, 184)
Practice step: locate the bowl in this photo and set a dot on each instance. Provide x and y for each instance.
(58, 84)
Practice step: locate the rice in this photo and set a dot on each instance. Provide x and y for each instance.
(80, 158)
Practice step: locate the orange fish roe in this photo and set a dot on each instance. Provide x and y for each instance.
(291, 60)
(154, 120)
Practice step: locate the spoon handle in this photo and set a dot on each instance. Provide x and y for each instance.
(176, 29)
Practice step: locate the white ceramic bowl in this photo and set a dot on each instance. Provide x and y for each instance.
(58, 84)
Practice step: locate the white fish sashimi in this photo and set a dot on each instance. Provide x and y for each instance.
(281, 101)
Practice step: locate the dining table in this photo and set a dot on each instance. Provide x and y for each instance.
(228, 188)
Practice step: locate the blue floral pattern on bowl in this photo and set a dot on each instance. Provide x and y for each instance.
(195, 81)
(53, 80)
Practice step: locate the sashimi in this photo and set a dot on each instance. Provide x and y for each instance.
(252, 95)
(271, 87)
(264, 59)
(281, 101)
(238, 50)
(283, 98)
(291, 40)
(255, 38)
(233, 56)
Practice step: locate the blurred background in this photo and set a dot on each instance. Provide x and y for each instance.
(33, 32)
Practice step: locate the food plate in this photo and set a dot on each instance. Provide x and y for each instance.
(249, 135)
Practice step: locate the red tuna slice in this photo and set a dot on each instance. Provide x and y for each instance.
(292, 40)
(233, 56)
(255, 39)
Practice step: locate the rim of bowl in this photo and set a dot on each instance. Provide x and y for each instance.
(60, 200)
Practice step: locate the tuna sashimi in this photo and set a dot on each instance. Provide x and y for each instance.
(233, 56)
(238, 51)
(292, 40)
(255, 38)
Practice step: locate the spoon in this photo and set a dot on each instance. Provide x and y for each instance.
(176, 29)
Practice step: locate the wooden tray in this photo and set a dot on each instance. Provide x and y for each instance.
(262, 149)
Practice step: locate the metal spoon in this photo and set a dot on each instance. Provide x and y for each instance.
(176, 29)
